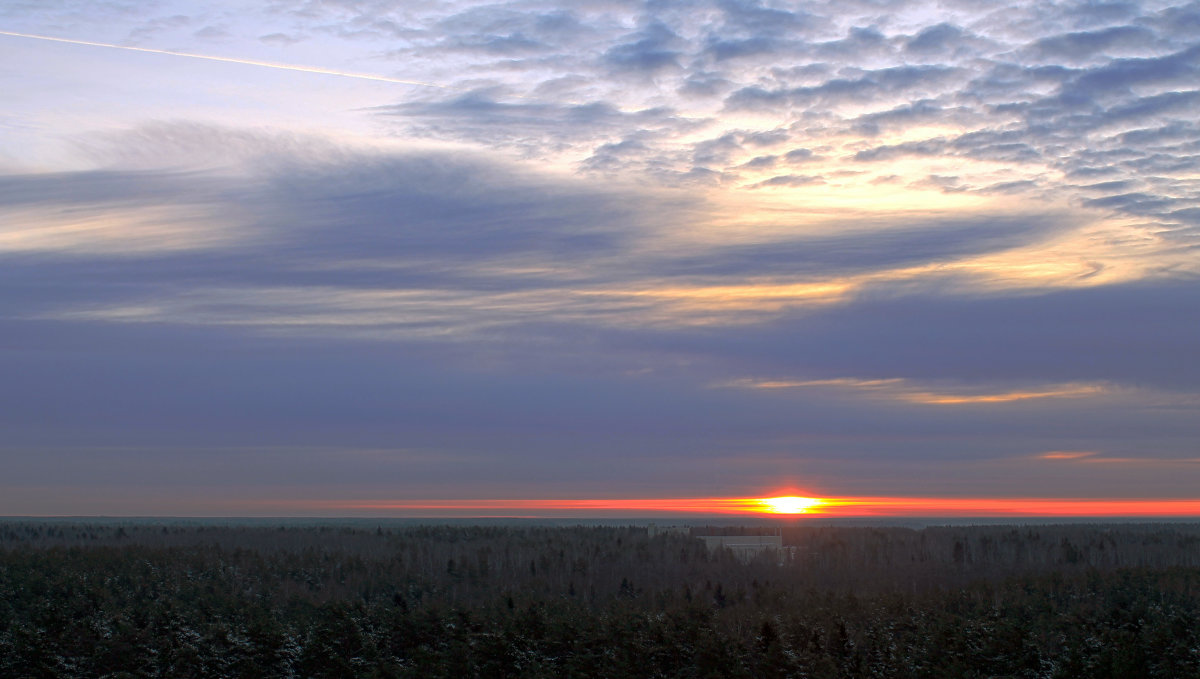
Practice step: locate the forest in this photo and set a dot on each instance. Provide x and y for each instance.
(166, 598)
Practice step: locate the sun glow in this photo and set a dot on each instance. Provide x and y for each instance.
(789, 504)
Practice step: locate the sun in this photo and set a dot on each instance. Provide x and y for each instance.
(789, 504)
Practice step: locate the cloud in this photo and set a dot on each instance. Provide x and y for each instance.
(765, 138)
(859, 42)
(904, 390)
(907, 114)
(1117, 76)
(648, 50)
(798, 155)
(1084, 45)
(760, 163)
(366, 221)
(417, 244)
(871, 86)
(537, 126)
(1065, 455)
(790, 180)
(1139, 461)
(280, 39)
(716, 151)
(1060, 337)
(936, 40)
(1047, 89)
(499, 31)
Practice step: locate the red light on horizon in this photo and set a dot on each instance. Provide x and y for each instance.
(780, 506)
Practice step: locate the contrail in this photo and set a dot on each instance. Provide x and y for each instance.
(231, 60)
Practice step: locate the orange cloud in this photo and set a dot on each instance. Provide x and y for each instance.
(1063, 391)
(903, 390)
(1096, 458)
(1065, 455)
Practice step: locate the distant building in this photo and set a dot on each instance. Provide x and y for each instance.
(745, 547)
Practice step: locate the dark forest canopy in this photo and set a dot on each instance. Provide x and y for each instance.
(126, 598)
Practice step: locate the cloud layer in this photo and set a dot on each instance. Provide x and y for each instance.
(713, 245)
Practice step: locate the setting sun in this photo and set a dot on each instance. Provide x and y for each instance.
(789, 504)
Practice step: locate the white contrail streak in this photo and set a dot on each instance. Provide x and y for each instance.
(231, 60)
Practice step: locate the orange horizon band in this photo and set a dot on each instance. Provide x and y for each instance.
(788, 506)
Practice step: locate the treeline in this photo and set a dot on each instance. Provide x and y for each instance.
(97, 600)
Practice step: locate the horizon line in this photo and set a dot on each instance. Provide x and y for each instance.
(784, 507)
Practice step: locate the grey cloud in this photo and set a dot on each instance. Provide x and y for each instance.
(616, 156)
(280, 39)
(1007, 152)
(768, 138)
(1082, 172)
(722, 50)
(1099, 12)
(213, 32)
(859, 42)
(791, 180)
(481, 116)
(1118, 81)
(503, 31)
(1108, 187)
(753, 17)
(947, 183)
(1109, 333)
(1163, 163)
(1155, 105)
(651, 49)
(907, 114)
(480, 107)
(1189, 215)
(716, 151)
(1006, 84)
(697, 175)
(704, 84)
(434, 204)
(1019, 186)
(1121, 74)
(936, 39)
(987, 145)
(855, 250)
(300, 210)
(798, 155)
(1172, 131)
(1133, 202)
(501, 20)
(760, 162)
(806, 73)
(1182, 21)
(101, 187)
(435, 219)
(497, 44)
(1009, 146)
(151, 29)
(868, 86)
(929, 147)
(1086, 44)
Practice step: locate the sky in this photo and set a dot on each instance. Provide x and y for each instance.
(335, 257)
